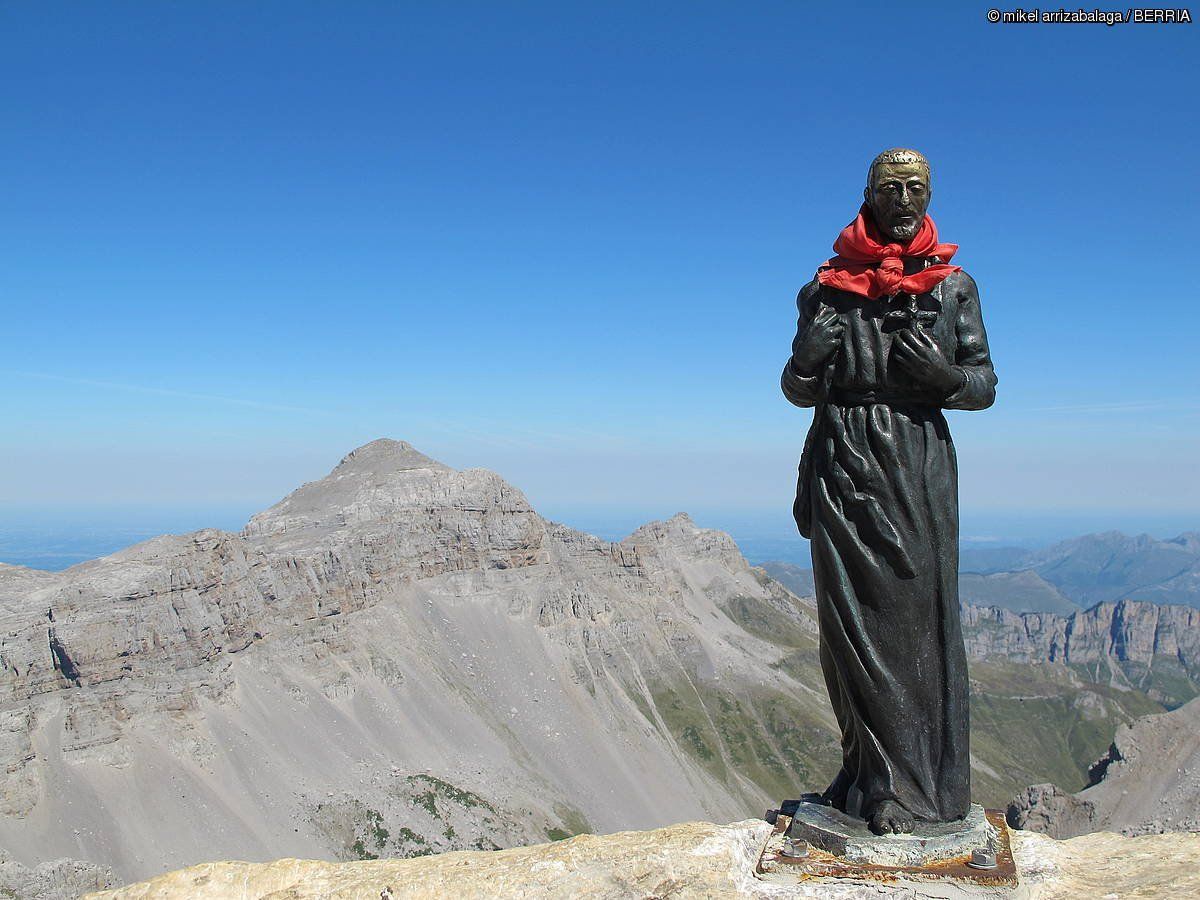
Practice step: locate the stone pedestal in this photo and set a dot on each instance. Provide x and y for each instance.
(850, 839)
(818, 848)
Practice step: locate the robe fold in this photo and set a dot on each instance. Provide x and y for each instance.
(878, 497)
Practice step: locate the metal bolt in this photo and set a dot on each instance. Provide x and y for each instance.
(794, 849)
(982, 858)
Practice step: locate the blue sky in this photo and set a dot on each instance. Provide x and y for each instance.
(563, 241)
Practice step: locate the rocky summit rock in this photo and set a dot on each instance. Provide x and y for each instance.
(52, 879)
(693, 860)
(1148, 782)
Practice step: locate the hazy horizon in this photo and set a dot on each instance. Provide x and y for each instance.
(54, 538)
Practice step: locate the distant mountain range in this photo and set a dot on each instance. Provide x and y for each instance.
(402, 658)
(1070, 575)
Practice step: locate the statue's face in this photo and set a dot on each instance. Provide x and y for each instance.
(898, 195)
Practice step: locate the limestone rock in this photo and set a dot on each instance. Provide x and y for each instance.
(52, 880)
(1048, 809)
(692, 860)
(1106, 865)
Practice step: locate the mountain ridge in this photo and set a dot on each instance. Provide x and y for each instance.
(403, 658)
(422, 608)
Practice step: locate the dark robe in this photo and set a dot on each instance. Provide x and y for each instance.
(878, 497)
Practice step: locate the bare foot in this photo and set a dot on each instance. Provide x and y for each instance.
(891, 818)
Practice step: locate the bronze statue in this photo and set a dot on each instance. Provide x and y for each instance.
(889, 335)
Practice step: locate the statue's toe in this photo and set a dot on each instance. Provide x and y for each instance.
(891, 818)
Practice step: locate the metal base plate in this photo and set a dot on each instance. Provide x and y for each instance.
(820, 866)
(848, 837)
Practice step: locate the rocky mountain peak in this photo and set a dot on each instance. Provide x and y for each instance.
(1189, 540)
(371, 484)
(681, 537)
(386, 455)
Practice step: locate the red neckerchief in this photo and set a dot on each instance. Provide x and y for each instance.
(867, 266)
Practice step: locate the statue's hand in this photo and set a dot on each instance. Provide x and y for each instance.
(821, 339)
(916, 351)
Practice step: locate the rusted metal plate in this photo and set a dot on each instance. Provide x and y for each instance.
(821, 866)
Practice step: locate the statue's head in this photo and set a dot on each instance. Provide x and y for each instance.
(898, 192)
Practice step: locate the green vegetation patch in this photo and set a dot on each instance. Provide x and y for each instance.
(376, 831)
(434, 788)
(808, 749)
(1168, 681)
(772, 741)
(764, 620)
(1035, 723)
(639, 700)
(407, 834)
(766, 736)
(802, 665)
(572, 820)
(412, 843)
(688, 722)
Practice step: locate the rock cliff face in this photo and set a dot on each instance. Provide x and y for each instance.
(1147, 646)
(1141, 645)
(693, 860)
(1147, 783)
(52, 880)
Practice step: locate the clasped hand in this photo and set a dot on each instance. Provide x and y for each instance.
(822, 337)
(914, 349)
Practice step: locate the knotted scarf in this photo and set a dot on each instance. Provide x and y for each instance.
(865, 265)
